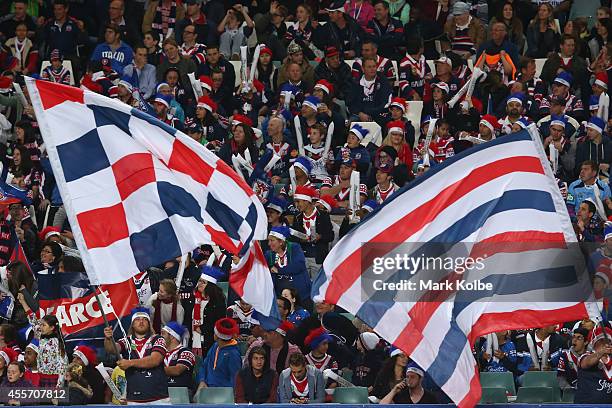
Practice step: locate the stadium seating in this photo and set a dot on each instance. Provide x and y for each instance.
(215, 395)
(493, 395)
(351, 395)
(178, 395)
(543, 379)
(535, 395)
(224, 286)
(498, 380)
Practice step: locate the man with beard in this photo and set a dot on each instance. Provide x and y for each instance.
(142, 359)
(514, 111)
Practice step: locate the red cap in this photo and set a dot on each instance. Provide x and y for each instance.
(206, 82)
(325, 86)
(6, 82)
(331, 52)
(86, 354)
(90, 84)
(240, 118)
(9, 355)
(207, 103)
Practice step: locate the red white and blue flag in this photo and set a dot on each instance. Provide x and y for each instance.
(136, 191)
(501, 202)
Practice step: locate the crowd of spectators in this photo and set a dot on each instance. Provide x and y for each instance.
(360, 96)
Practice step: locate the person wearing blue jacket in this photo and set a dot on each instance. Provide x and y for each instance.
(116, 51)
(370, 95)
(287, 263)
(222, 361)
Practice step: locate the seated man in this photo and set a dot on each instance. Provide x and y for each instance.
(301, 383)
(586, 186)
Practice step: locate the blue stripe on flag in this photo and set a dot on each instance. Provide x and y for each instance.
(251, 220)
(154, 121)
(227, 218)
(374, 308)
(83, 156)
(104, 115)
(443, 366)
(155, 244)
(177, 201)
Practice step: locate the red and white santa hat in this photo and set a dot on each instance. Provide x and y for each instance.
(9, 355)
(604, 272)
(325, 86)
(491, 122)
(226, 328)
(396, 126)
(284, 327)
(305, 193)
(265, 50)
(206, 82)
(207, 103)
(48, 232)
(328, 202)
(240, 118)
(86, 354)
(399, 103)
(601, 79)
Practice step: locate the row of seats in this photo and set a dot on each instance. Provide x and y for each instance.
(538, 387)
(225, 395)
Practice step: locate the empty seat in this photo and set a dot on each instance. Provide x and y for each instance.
(498, 380)
(351, 395)
(535, 395)
(178, 395)
(215, 395)
(543, 379)
(493, 395)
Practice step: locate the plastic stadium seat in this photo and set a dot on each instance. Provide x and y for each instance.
(178, 395)
(534, 395)
(493, 395)
(351, 395)
(498, 380)
(568, 395)
(543, 379)
(224, 286)
(215, 395)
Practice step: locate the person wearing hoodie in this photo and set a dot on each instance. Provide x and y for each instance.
(301, 383)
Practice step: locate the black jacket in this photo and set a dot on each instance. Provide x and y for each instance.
(341, 78)
(319, 249)
(330, 34)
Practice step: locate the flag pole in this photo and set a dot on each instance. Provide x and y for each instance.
(106, 324)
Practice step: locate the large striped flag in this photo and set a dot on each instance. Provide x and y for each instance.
(136, 191)
(496, 203)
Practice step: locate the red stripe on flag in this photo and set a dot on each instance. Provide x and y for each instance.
(345, 275)
(239, 276)
(473, 396)
(52, 94)
(132, 172)
(422, 311)
(187, 161)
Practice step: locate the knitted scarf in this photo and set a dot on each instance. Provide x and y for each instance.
(164, 17)
(157, 304)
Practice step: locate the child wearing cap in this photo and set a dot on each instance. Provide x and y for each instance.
(314, 151)
(353, 149)
(30, 362)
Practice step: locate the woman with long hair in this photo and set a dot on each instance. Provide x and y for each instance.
(52, 358)
(266, 72)
(396, 139)
(598, 43)
(242, 144)
(392, 372)
(50, 255)
(542, 33)
(301, 31)
(514, 26)
(209, 306)
(296, 313)
(165, 305)
(21, 282)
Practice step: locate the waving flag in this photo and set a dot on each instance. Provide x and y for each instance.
(70, 297)
(138, 192)
(497, 203)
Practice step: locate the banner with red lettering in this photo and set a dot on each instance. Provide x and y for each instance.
(70, 297)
